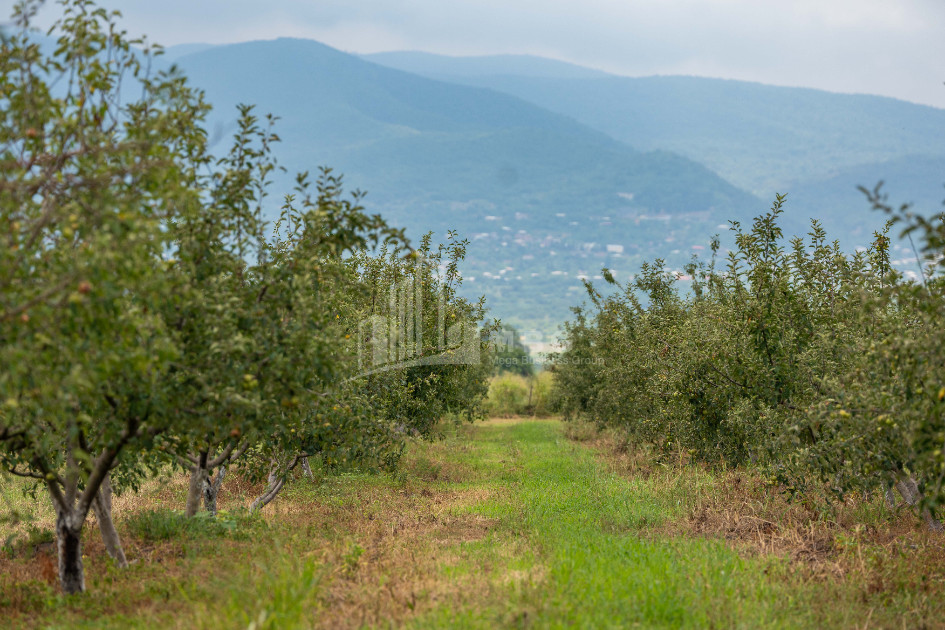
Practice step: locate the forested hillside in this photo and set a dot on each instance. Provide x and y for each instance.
(762, 138)
(816, 146)
(540, 195)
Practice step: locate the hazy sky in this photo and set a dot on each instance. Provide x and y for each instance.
(890, 47)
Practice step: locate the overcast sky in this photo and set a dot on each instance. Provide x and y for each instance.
(889, 47)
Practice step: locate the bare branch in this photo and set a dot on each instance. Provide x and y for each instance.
(27, 474)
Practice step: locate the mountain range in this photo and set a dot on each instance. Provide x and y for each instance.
(554, 171)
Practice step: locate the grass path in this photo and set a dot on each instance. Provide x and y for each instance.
(589, 564)
(504, 524)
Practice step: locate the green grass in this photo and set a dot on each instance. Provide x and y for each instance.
(159, 524)
(585, 525)
(507, 524)
(515, 395)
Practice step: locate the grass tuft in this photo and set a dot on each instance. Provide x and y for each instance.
(159, 524)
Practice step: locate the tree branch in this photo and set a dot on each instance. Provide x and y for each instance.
(27, 474)
(103, 465)
(39, 298)
(222, 456)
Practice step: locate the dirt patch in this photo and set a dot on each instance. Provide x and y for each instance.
(807, 542)
(385, 551)
(398, 575)
(464, 529)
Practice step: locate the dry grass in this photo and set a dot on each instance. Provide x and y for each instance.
(381, 546)
(386, 549)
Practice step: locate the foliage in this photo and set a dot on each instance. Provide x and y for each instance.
(821, 367)
(147, 314)
(513, 395)
(155, 525)
(412, 315)
(89, 185)
(512, 355)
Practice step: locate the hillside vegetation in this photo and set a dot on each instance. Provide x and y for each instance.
(816, 146)
(763, 138)
(535, 191)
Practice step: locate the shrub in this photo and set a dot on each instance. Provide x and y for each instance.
(820, 367)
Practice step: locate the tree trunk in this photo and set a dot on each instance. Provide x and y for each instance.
(306, 468)
(198, 478)
(102, 506)
(276, 481)
(890, 496)
(909, 490)
(931, 522)
(69, 540)
(275, 485)
(211, 490)
(72, 507)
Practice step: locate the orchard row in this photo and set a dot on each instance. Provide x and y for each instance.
(825, 370)
(150, 316)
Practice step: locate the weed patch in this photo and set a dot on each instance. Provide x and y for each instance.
(155, 525)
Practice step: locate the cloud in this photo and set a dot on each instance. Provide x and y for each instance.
(871, 46)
